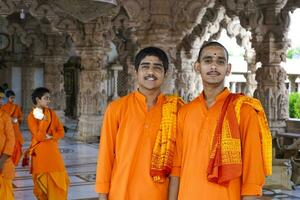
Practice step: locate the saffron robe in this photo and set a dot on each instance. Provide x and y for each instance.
(196, 128)
(46, 157)
(7, 142)
(127, 139)
(15, 112)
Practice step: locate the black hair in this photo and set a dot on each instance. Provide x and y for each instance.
(1, 90)
(9, 93)
(38, 92)
(151, 51)
(212, 43)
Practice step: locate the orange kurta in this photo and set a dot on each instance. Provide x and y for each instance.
(46, 156)
(15, 112)
(127, 139)
(196, 128)
(7, 142)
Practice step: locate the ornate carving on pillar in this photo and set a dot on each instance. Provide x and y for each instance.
(273, 94)
(92, 44)
(125, 42)
(251, 84)
(6, 7)
(270, 42)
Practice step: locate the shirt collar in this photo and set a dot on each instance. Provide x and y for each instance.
(142, 97)
(220, 96)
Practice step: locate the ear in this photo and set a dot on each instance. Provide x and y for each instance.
(197, 67)
(228, 69)
(37, 100)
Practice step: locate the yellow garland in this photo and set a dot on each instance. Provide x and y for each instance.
(163, 151)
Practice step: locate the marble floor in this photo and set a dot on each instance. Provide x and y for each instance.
(80, 159)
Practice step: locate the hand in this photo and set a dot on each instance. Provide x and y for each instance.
(48, 136)
(102, 196)
(38, 113)
(14, 120)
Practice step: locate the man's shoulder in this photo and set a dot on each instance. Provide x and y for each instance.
(122, 101)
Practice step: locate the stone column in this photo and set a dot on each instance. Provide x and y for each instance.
(233, 87)
(54, 81)
(27, 86)
(116, 68)
(251, 84)
(91, 45)
(292, 85)
(270, 43)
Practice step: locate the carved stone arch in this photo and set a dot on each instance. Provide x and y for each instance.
(210, 24)
(6, 7)
(15, 28)
(136, 11)
(42, 10)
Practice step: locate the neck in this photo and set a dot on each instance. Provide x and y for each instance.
(151, 96)
(211, 92)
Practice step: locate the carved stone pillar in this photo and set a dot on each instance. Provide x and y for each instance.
(91, 45)
(292, 80)
(251, 84)
(270, 43)
(233, 87)
(54, 81)
(28, 86)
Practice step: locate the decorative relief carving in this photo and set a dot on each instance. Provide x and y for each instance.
(272, 92)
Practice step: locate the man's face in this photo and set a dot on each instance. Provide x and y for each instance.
(11, 99)
(43, 101)
(150, 74)
(213, 65)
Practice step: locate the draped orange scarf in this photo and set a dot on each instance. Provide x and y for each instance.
(225, 158)
(163, 151)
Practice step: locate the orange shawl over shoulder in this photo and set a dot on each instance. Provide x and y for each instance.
(225, 157)
(163, 151)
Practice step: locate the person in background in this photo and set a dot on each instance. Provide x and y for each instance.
(16, 116)
(49, 174)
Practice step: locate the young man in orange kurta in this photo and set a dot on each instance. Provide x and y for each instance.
(16, 116)
(221, 151)
(7, 142)
(49, 175)
(127, 167)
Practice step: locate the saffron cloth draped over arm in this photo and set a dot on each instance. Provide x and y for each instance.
(164, 147)
(225, 158)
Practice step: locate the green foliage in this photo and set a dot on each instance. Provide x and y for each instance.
(292, 53)
(294, 105)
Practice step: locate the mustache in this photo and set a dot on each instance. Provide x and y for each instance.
(213, 73)
(150, 76)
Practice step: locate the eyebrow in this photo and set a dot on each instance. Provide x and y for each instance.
(210, 57)
(148, 63)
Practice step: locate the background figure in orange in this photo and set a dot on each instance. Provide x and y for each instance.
(16, 116)
(224, 145)
(135, 130)
(7, 142)
(49, 175)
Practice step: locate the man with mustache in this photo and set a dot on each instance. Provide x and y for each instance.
(224, 145)
(138, 136)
